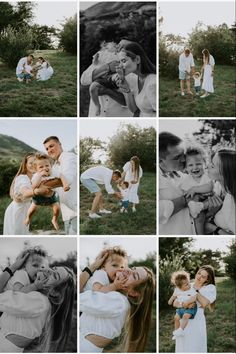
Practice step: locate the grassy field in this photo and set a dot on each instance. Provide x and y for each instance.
(220, 104)
(41, 221)
(143, 222)
(56, 97)
(221, 324)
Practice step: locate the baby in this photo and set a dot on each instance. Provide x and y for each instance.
(197, 82)
(183, 293)
(106, 55)
(27, 70)
(104, 279)
(124, 189)
(44, 173)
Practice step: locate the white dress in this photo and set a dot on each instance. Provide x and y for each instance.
(130, 176)
(207, 83)
(225, 218)
(16, 212)
(45, 72)
(195, 338)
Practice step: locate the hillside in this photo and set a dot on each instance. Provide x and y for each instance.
(12, 148)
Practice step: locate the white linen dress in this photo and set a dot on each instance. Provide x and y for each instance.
(130, 176)
(207, 83)
(225, 218)
(45, 72)
(16, 212)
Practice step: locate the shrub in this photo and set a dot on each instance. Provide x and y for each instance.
(15, 44)
(7, 173)
(168, 62)
(68, 36)
(230, 261)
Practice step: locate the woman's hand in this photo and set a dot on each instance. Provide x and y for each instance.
(133, 182)
(189, 306)
(20, 260)
(98, 261)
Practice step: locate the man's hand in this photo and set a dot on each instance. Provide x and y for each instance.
(118, 195)
(43, 190)
(52, 183)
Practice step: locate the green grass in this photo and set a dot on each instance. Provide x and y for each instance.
(221, 324)
(56, 97)
(41, 220)
(219, 104)
(143, 222)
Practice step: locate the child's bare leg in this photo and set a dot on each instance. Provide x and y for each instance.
(65, 185)
(199, 223)
(185, 318)
(177, 321)
(33, 207)
(56, 212)
(94, 93)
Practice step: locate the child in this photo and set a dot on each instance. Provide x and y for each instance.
(25, 280)
(27, 70)
(196, 182)
(183, 293)
(104, 279)
(44, 172)
(124, 189)
(197, 82)
(106, 55)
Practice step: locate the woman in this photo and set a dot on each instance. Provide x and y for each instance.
(41, 319)
(104, 315)
(223, 169)
(132, 172)
(45, 70)
(140, 90)
(208, 72)
(195, 336)
(21, 193)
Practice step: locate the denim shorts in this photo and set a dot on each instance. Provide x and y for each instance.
(182, 311)
(197, 88)
(183, 75)
(125, 203)
(44, 201)
(24, 76)
(90, 184)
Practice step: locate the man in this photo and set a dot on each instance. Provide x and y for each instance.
(174, 217)
(186, 67)
(65, 164)
(23, 68)
(94, 176)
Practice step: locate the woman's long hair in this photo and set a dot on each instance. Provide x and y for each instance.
(210, 280)
(206, 56)
(22, 171)
(228, 171)
(139, 318)
(136, 162)
(133, 49)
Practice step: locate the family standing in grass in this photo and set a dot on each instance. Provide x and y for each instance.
(202, 80)
(114, 298)
(195, 196)
(33, 186)
(127, 182)
(26, 71)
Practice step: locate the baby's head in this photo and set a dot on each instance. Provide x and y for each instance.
(43, 164)
(124, 185)
(37, 259)
(109, 46)
(195, 161)
(116, 261)
(181, 280)
(196, 75)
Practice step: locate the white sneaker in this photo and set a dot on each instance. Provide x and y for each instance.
(133, 209)
(122, 210)
(20, 80)
(203, 96)
(182, 93)
(178, 332)
(104, 211)
(94, 216)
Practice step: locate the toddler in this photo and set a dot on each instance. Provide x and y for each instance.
(27, 70)
(197, 82)
(44, 173)
(124, 189)
(104, 279)
(183, 293)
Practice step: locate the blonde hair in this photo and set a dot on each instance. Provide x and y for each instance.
(39, 156)
(116, 250)
(177, 278)
(136, 162)
(138, 320)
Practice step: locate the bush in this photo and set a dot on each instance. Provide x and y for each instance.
(68, 36)
(7, 173)
(15, 44)
(168, 62)
(230, 261)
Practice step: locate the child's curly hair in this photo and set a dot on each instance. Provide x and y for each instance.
(177, 278)
(38, 250)
(116, 250)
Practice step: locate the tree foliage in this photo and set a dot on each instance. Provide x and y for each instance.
(7, 172)
(68, 35)
(87, 148)
(230, 261)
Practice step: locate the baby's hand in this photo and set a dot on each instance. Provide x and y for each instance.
(66, 187)
(120, 282)
(41, 280)
(190, 192)
(120, 72)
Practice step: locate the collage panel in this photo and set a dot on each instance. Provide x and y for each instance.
(197, 294)
(38, 167)
(196, 58)
(38, 59)
(118, 59)
(197, 161)
(38, 294)
(118, 294)
(118, 177)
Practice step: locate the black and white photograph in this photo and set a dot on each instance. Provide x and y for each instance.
(38, 295)
(118, 295)
(118, 59)
(197, 185)
(38, 173)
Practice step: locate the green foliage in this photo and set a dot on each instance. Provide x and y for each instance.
(17, 15)
(170, 245)
(7, 172)
(230, 261)
(42, 37)
(68, 35)
(87, 147)
(149, 262)
(168, 60)
(131, 141)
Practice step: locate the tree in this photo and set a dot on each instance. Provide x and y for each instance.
(7, 172)
(17, 15)
(42, 37)
(87, 147)
(68, 35)
(230, 260)
(174, 245)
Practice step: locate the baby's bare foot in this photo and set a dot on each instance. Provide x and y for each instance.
(55, 224)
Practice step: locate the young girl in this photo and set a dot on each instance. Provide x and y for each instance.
(208, 72)
(45, 70)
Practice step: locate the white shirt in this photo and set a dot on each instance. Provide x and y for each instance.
(20, 276)
(125, 194)
(103, 314)
(101, 175)
(197, 82)
(185, 63)
(184, 295)
(99, 276)
(20, 65)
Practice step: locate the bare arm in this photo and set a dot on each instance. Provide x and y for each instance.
(205, 188)
(172, 299)
(179, 204)
(118, 284)
(104, 69)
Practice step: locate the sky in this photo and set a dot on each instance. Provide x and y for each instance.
(57, 247)
(179, 127)
(181, 17)
(34, 131)
(215, 243)
(83, 5)
(137, 247)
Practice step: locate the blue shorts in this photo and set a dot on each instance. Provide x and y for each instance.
(90, 184)
(197, 89)
(44, 201)
(125, 203)
(24, 76)
(183, 75)
(182, 311)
